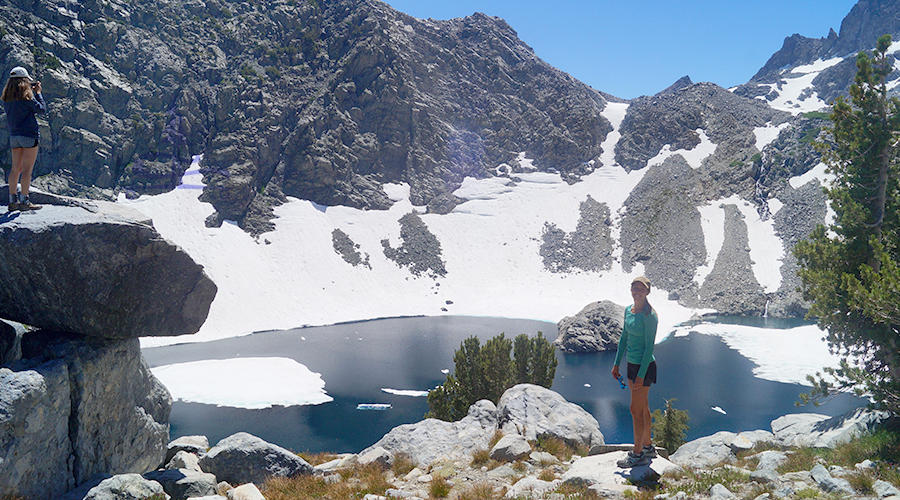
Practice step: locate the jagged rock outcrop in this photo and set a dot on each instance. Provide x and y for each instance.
(674, 119)
(77, 406)
(860, 29)
(8, 338)
(323, 100)
(98, 269)
(595, 328)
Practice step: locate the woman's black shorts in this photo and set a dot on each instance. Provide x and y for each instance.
(649, 378)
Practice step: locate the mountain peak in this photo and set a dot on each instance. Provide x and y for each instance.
(684, 81)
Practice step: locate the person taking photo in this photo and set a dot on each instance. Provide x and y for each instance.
(22, 101)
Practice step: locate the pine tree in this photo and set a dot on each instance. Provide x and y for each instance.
(849, 269)
(669, 428)
(487, 372)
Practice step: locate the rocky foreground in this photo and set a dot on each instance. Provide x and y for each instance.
(493, 450)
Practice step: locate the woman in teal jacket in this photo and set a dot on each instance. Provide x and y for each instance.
(638, 339)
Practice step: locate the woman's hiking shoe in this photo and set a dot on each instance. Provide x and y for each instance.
(28, 205)
(13, 206)
(633, 460)
(649, 451)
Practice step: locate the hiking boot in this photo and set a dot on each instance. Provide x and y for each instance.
(633, 460)
(649, 451)
(28, 205)
(13, 206)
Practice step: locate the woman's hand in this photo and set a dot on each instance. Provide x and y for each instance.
(638, 383)
(37, 87)
(615, 372)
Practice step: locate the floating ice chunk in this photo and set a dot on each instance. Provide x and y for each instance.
(402, 392)
(373, 406)
(718, 409)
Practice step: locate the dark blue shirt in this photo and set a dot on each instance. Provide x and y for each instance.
(21, 116)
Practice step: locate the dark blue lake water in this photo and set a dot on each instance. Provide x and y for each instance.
(357, 360)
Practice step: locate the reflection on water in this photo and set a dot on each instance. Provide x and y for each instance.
(357, 360)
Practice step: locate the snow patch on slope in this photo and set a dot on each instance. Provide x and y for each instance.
(795, 94)
(694, 156)
(765, 135)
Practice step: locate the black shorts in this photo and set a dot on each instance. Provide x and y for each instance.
(649, 378)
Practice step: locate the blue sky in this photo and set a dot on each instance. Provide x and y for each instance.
(629, 48)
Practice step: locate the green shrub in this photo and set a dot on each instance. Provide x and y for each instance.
(817, 115)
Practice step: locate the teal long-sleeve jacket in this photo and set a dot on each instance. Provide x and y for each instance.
(638, 339)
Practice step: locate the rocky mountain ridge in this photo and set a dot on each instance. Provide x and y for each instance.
(319, 100)
(859, 31)
(329, 101)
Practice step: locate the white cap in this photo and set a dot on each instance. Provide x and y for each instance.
(19, 72)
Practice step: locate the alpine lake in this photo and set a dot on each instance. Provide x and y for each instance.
(358, 360)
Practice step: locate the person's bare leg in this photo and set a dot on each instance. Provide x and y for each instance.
(29, 156)
(640, 417)
(15, 171)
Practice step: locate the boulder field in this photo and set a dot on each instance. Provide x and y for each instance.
(445, 450)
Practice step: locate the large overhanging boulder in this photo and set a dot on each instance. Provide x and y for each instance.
(98, 269)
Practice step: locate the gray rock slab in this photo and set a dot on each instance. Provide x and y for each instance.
(532, 411)
(432, 439)
(770, 459)
(532, 487)
(720, 492)
(125, 487)
(184, 460)
(600, 472)
(706, 451)
(510, 448)
(191, 444)
(828, 483)
(543, 458)
(101, 272)
(245, 492)
(747, 440)
(885, 489)
(764, 476)
(120, 411)
(244, 458)
(822, 431)
(377, 455)
(35, 451)
(182, 484)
